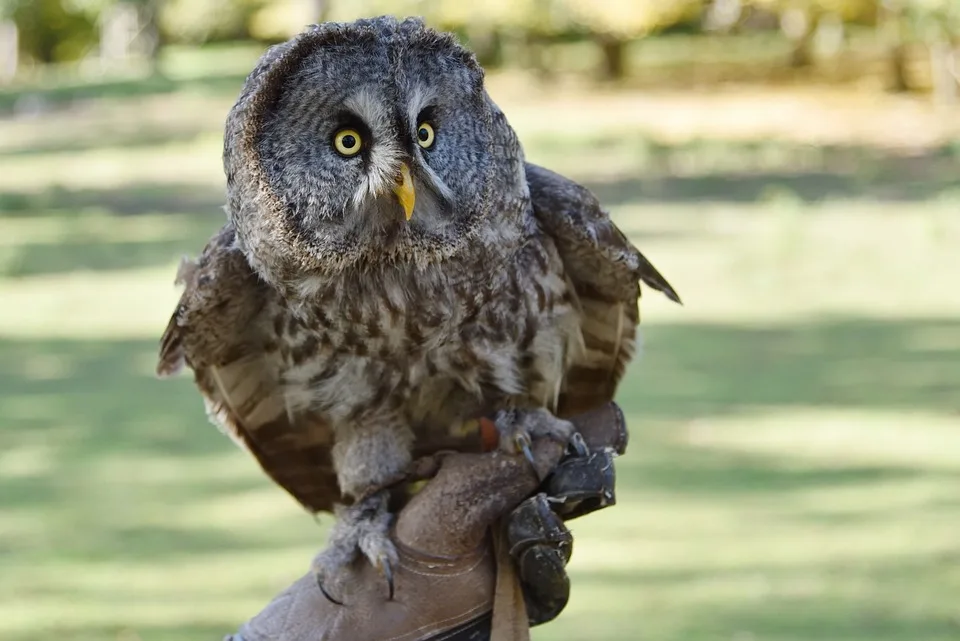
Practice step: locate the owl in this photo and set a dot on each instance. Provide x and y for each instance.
(392, 268)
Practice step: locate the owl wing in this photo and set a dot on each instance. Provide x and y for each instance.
(605, 271)
(223, 329)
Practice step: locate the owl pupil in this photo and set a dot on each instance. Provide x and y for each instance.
(348, 142)
(423, 134)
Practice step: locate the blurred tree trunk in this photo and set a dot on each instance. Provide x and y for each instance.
(614, 50)
(9, 50)
(897, 56)
(723, 16)
(487, 43)
(892, 26)
(39, 40)
(943, 67)
(149, 35)
(830, 35)
(119, 28)
(800, 27)
(535, 55)
(320, 9)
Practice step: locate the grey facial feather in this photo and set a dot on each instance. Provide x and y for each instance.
(341, 210)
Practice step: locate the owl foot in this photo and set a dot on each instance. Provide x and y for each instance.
(518, 428)
(362, 527)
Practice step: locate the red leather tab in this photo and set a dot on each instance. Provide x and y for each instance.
(489, 435)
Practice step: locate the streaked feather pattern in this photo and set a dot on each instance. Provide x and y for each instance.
(224, 330)
(605, 270)
(220, 330)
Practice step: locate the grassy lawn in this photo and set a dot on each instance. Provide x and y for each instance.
(794, 466)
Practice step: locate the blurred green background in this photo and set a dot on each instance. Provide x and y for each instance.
(793, 167)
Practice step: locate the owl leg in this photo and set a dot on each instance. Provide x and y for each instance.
(517, 428)
(363, 527)
(369, 457)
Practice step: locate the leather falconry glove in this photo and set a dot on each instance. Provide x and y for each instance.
(483, 550)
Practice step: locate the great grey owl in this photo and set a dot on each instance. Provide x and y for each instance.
(391, 269)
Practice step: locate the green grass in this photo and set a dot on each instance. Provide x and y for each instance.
(794, 465)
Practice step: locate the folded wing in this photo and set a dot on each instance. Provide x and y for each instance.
(605, 270)
(223, 329)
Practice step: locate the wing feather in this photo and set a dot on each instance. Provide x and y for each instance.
(605, 270)
(222, 329)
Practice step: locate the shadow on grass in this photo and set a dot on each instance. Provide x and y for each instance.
(696, 370)
(93, 254)
(720, 474)
(103, 394)
(841, 173)
(136, 198)
(735, 172)
(116, 444)
(94, 400)
(765, 603)
(62, 95)
(792, 618)
(123, 449)
(688, 371)
(105, 138)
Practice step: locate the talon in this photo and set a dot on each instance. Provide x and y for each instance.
(579, 445)
(387, 570)
(325, 593)
(523, 444)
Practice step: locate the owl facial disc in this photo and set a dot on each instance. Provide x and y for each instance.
(343, 134)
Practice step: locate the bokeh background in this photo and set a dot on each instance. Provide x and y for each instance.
(792, 166)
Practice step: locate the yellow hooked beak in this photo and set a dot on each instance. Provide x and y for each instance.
(404, 191)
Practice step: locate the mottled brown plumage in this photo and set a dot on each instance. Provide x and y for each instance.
(333, 338)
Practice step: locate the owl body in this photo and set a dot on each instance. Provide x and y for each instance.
(392, 267)
(423, 350)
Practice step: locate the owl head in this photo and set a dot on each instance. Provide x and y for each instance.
(368, 144)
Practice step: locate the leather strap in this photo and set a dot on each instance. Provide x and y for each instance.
(510, 621)
(476, 630)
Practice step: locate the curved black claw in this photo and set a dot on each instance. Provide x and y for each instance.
(388, 573)
(579, 486)
(579, 445)
(523, 444)
(323, 591)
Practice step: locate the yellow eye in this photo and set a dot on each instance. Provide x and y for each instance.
(425, 135)
(347, 142)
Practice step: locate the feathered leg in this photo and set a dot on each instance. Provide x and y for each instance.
(368, 461)
(362, 527)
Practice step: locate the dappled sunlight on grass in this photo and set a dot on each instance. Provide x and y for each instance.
(896, 439)
(712, 539)
(56, 244)
(188, 163)
(129, 303)
(794, 465)
(145, 506)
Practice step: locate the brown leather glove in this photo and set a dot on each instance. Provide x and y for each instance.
(447, 577)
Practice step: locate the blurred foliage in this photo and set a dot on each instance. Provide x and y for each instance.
(198, 21)
(51, 30)
(539, 16)
(931, 18)
(847, 10)
(523, 32)
(632, 18)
